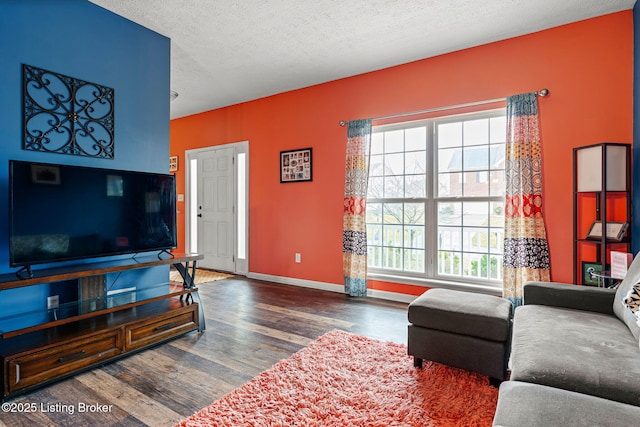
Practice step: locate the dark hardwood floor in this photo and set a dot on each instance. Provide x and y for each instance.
(250, 326)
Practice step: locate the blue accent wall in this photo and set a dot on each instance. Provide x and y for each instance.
(85, 41)
(635, 196)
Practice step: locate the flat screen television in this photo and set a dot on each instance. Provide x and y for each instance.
(61, 212)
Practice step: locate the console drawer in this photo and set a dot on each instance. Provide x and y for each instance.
(158, 329)
(39, 366)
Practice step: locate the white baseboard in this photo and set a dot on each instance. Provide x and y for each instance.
(332, 287)
(391, 296)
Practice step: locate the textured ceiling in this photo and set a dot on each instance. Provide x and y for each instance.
(224, 52)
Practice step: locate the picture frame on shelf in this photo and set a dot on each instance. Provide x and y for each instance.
(620, 263)
(615, 230)
(588, 269)
(296, 165)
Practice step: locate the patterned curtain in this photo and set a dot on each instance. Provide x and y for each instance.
(354, 234)
(526, 253)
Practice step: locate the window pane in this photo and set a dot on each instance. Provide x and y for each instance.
(476, 158)
(450, 238)
(415, 138)
(414, 213)
(413, 260)
(496, 240)
(374, 234)
(496, 218)
(450, 213)
(476, 214)
(498, 130)
(476, 132)
(497, 184)
(374, 256)
(475, 240)
(393, 187)
(377, 139)
(374, 213)
(376, 167)
(475, 266)
(414, 237)
(193, 237)
(450, 160)
(450, 135)
(450, 184)
(415, 162)
(415, 186)
(495, 267)
(392, 258)
(496, 157)
(242, 206)
(392, 235)
(394, 164)
(393, 213)
(476, 184)
(394, 141)
(375, 188)
(449, 263)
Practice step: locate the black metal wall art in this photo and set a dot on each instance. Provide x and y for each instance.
(66, 115)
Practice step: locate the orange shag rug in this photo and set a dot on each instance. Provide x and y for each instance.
(342, 379)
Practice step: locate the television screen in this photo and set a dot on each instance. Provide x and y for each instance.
(60, 212)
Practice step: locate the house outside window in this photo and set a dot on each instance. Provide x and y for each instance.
(435, 202)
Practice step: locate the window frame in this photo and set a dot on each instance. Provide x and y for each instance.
(431, 200)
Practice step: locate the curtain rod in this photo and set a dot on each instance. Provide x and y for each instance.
(542, 93)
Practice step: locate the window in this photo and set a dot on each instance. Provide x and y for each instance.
(435, 203)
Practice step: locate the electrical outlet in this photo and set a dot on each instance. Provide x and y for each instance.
(53, 302)
(298, 259)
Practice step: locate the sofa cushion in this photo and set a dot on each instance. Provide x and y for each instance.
(532, 405)
(586, 352)
(619, 307)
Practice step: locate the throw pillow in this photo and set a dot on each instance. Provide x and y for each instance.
(632, 301)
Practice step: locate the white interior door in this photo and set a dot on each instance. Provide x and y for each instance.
(217, 220)
(215, 209)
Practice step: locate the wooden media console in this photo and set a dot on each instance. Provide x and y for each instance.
(99, 326)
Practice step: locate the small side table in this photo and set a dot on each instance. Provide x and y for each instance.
(605, 280)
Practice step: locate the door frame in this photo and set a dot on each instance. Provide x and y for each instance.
(241, 264)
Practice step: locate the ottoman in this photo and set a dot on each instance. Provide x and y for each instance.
(461, 329)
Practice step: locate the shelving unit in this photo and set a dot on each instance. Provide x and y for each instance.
(87, 332)
(601, 194)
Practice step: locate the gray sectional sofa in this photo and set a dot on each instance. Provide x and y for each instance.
(575, 357)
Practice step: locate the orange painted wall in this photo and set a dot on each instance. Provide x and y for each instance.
(587, 66)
